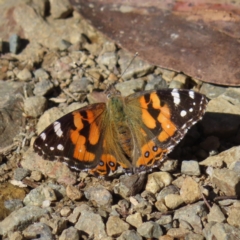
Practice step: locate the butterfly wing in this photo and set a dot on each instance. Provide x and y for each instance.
(164, 117)
(75, 138)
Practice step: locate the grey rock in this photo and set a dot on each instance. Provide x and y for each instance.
(24, 75)
(56, 223)
(116, 226)
(169, 165)
(150, 230)
(44, 192)
(212, 91)
(36, 176)
(164, 220)
(70, 233)
(21, 218)
(171, 189)
(99, 195)
(190, 168)
(14, 43)
(224, 158)
(192, 214)
(52, 169)
(168, 75)
(129, 234)
(92, 224)
(108, 59)
(172, 201)
(43, 87)
(220, 231)
(41, 74)
(135, 219)
(130, 185)
(176, 84)
(20, 173)
(73, 193)
(65, 211)
(49, 194)
(13, 204)
(143, 207)
(215, 214)
(155, 82)
(190, 191)
(184, 225)
(157, 181)
(73, 218)
(80, 85)
(234, 215)
(228, 181)
(35, 106)
(38, 231)
(232, 95)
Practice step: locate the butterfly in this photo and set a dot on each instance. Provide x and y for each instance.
(130, 134)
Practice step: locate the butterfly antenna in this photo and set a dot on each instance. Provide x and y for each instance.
(80, 67)
(135, 55)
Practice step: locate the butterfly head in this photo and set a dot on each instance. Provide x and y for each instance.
(112, 92)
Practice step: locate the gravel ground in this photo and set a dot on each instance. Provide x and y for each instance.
(193, 195)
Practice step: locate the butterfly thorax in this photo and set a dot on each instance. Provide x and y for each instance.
(119, 124)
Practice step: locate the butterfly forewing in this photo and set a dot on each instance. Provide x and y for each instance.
(166, 116)
(75, 138)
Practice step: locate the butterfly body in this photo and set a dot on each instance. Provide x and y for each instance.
(133, 133)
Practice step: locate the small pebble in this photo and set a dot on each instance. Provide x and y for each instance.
(73, 193)
(24, 75)
(65, 211)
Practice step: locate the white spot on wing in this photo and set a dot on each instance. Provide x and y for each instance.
(191, 94)
(183, 113)
(176, 96)
(57, 129)
(191, 110)
(43, 136)
(60, 147)
(51, 148)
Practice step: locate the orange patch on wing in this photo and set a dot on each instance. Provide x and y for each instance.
(94, 134)
(148, 120)
(168, 127)
(155, 100)
(148, 161)
(80, 151)
(163, 136)
(77, 119)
